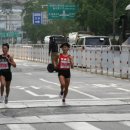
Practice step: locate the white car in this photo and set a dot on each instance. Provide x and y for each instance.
(93, 41)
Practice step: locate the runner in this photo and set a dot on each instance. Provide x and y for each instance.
(65, 62)
(5, 71)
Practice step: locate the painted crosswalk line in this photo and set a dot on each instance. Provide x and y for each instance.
(81, 126)
(66, 126)
(20, 127)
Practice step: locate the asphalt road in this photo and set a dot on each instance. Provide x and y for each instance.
(94, 102)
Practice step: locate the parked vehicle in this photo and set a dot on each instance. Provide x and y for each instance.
(74, 36)
(93, 41)
(58, 38)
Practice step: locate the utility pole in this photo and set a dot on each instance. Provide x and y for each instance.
(114, 15)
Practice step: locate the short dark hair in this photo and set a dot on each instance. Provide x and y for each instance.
(5, 44)
(65, 44)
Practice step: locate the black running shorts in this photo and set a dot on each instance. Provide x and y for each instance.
(65, 73)
(7, 75)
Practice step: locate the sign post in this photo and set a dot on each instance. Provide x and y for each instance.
(37, 18)
(9, 34)
(66, 11)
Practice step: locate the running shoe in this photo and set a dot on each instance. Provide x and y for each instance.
(1, 99)
(61, 93)
(6, 99)
(63, 100)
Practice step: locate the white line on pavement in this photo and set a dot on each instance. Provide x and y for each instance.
(57, 100)
(20, 127)
(34, 87)
(81, 126)
(45, 95)
(126, 90)
(49, 82)
(104, 85)
(75, 119)
(28, 73)
(32, 93)
(75, 90)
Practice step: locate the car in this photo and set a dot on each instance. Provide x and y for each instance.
(58, 38)
(93, 41)
(90, 47)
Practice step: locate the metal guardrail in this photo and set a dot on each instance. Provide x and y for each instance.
(114, 60)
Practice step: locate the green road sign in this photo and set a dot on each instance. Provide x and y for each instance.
(66, 11)
(9, 34)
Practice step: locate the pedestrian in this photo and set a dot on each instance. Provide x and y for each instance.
(6, 61)
(65, 62)
(53, 48)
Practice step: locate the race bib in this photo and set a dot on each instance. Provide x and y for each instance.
(65, 64)
(4, 65)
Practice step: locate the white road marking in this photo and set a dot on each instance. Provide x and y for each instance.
(75, 121)
(49, 82)
(19, 87)
(28, 73)
(81, 126)
(113, 93)
(75, 87)
(32, 93)
(126, 90)
(50, 100)
(100, 85)
(45, 95)
(104, 85)
(51, 95)
(75, 90)
(71, 89)
(20, 127)
(34, 87)
(125, 123)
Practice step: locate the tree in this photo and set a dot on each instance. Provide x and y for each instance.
(98, 14)
(35, 33)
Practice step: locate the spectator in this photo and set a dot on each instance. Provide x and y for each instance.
(53, 48)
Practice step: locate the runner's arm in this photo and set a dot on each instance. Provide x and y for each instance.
(55, 60)
(72, 61)
(11, 61)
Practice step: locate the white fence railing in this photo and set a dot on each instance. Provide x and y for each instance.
(102, 60)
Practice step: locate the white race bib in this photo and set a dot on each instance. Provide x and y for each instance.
(4, 65)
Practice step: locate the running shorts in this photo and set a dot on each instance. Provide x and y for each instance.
(7, 75)
(65, 73)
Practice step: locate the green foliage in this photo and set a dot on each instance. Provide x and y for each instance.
(6, 6)
(35, 33)
(95, 15)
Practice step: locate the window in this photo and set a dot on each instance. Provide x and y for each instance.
(80, 41)
(59, 39)
(97, 41)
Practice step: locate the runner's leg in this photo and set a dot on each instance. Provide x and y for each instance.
(67, 82)
(62, 83)
(7, 88)
(7, 91)
(3, 82)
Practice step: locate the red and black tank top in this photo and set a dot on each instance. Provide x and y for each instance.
(64, 62)
(4, 63)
